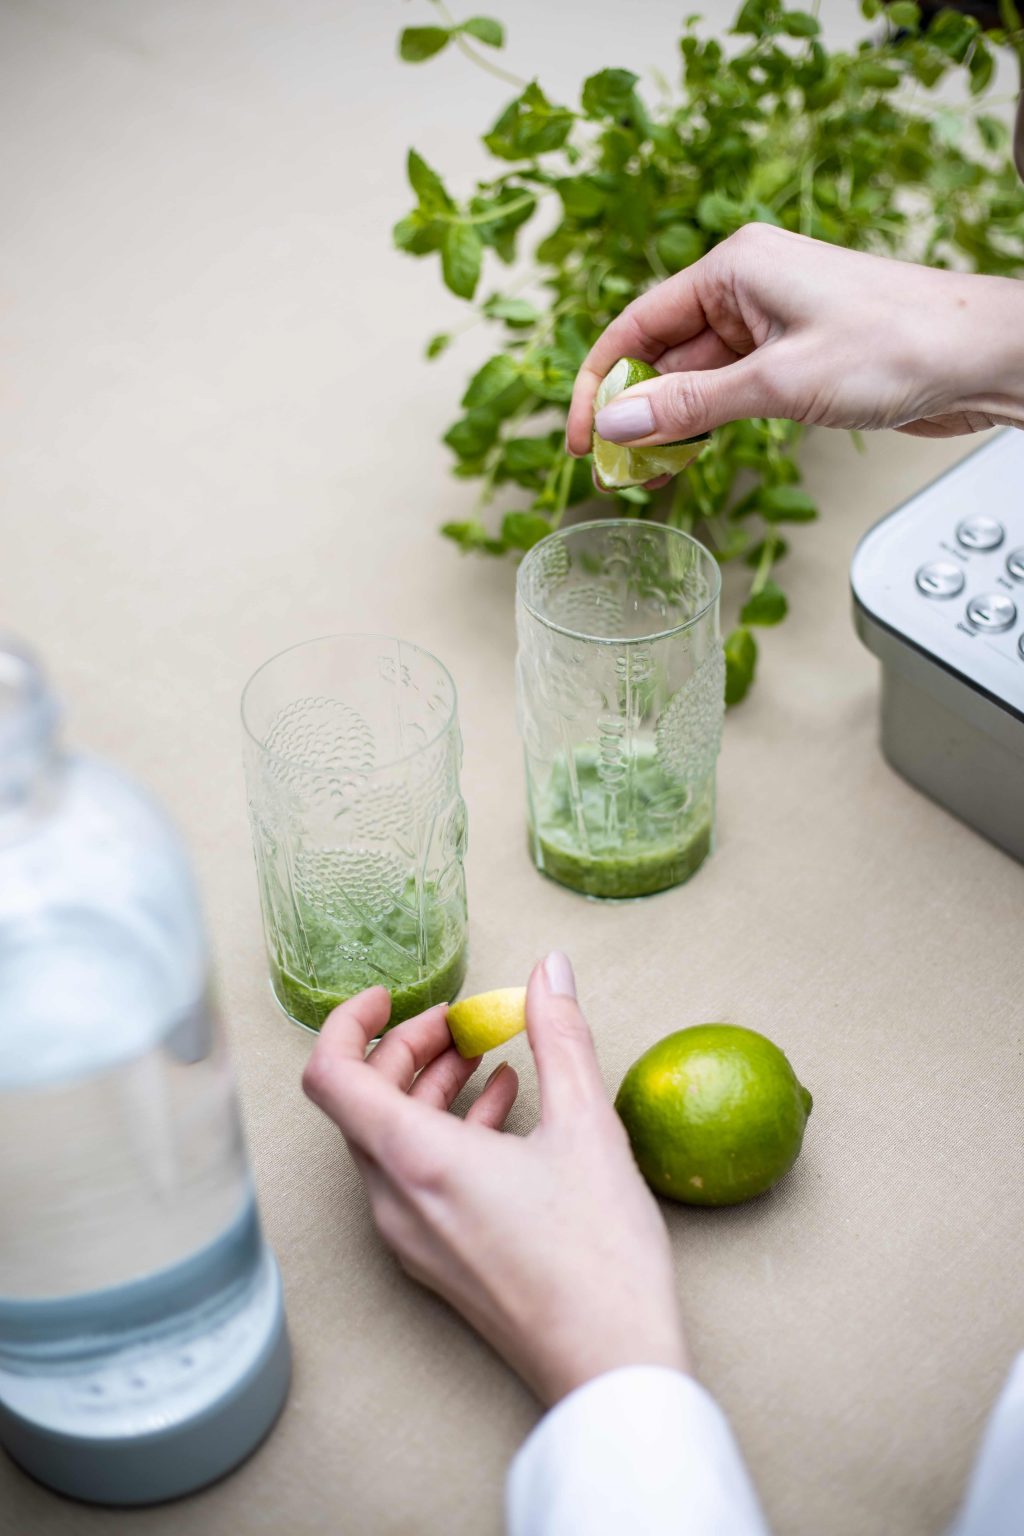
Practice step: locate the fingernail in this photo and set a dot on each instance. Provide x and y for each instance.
(499, 1068)
(558, 971)
(624, 420)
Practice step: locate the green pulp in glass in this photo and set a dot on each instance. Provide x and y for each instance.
(634, 841)
(340, 961)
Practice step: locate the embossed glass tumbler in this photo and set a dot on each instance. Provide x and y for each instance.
(620, 680)
(352, 757)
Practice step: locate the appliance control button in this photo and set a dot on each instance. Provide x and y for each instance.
(1015, 564)
(1020, 647)
(980, 533)
(992, 611)
(941, 578)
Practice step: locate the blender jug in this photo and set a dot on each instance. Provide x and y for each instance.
(143, 1349)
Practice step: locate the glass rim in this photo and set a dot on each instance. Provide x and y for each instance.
(619, 522)
(301, 645)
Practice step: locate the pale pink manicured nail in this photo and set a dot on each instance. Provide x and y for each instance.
(499, 1068)
(558, 971)
(625, 420)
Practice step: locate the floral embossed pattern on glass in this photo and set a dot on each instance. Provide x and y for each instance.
(620, 678)
(352, 757)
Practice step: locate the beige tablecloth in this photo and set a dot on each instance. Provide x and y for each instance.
(219, 438)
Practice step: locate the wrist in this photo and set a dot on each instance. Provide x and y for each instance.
(985, 348)
(571, 1363)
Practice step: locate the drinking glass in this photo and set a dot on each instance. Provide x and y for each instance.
(620, 682)
(352, 757)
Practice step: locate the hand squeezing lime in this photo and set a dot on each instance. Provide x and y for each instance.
(618, 466)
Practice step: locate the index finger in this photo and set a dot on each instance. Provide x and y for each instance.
(661, 318)
(363, 1104)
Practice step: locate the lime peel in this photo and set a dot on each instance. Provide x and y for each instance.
(715, 1114)
(619, 466)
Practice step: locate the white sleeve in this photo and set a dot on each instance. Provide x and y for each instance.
(995, 1493)
(644, 1450)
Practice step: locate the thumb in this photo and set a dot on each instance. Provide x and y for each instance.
(679, 405)
(561, 1042)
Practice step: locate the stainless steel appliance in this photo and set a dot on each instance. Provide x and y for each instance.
(938, 597)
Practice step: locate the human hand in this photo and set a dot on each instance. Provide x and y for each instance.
(550, 1245)
(775, 324)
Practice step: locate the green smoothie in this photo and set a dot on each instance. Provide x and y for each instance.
(641, 836)
(340, 961)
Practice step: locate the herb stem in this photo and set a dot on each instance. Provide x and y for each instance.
(478, 58)
(492, 69)
(764, 566)
(504, 210)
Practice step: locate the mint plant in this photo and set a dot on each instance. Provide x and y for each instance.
(850, 146)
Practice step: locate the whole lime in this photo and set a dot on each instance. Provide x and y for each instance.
(715, 1114)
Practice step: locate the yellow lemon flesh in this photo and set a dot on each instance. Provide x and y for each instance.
(715, 1114)
(488, 1019)
(618, 466)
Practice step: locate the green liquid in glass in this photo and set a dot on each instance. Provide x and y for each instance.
(647, 835)
(343, 960)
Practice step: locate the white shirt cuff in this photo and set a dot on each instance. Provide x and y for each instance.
(995, 1495)
(643, 1449)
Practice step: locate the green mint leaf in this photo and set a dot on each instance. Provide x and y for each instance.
(512, 207)
(427, 185)
(981, 68)
(993, 133)
(473, 538)
(461, 258)
(529, 126)
(522, 530)
(953, 34)
(752, 20)
(786, 504)
(437, 344)
(522, 455)
(904, 13)
(417, 233)
(879, 76)
(608, 93)
(485, 30)
(869, 9)
(514, 312)
(721, 214)
(491, 380)
(582, 197)
(799, 24)
(470, 437)
(769, 606)
(740, 664)
(679, 246)
(419, 43)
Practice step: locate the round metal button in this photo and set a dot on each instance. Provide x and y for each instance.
(980, 533)
(940, 578)
(993, 611)
(1015, 564)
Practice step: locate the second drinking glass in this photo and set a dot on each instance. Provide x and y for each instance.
(620, 676)
(352, 766)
